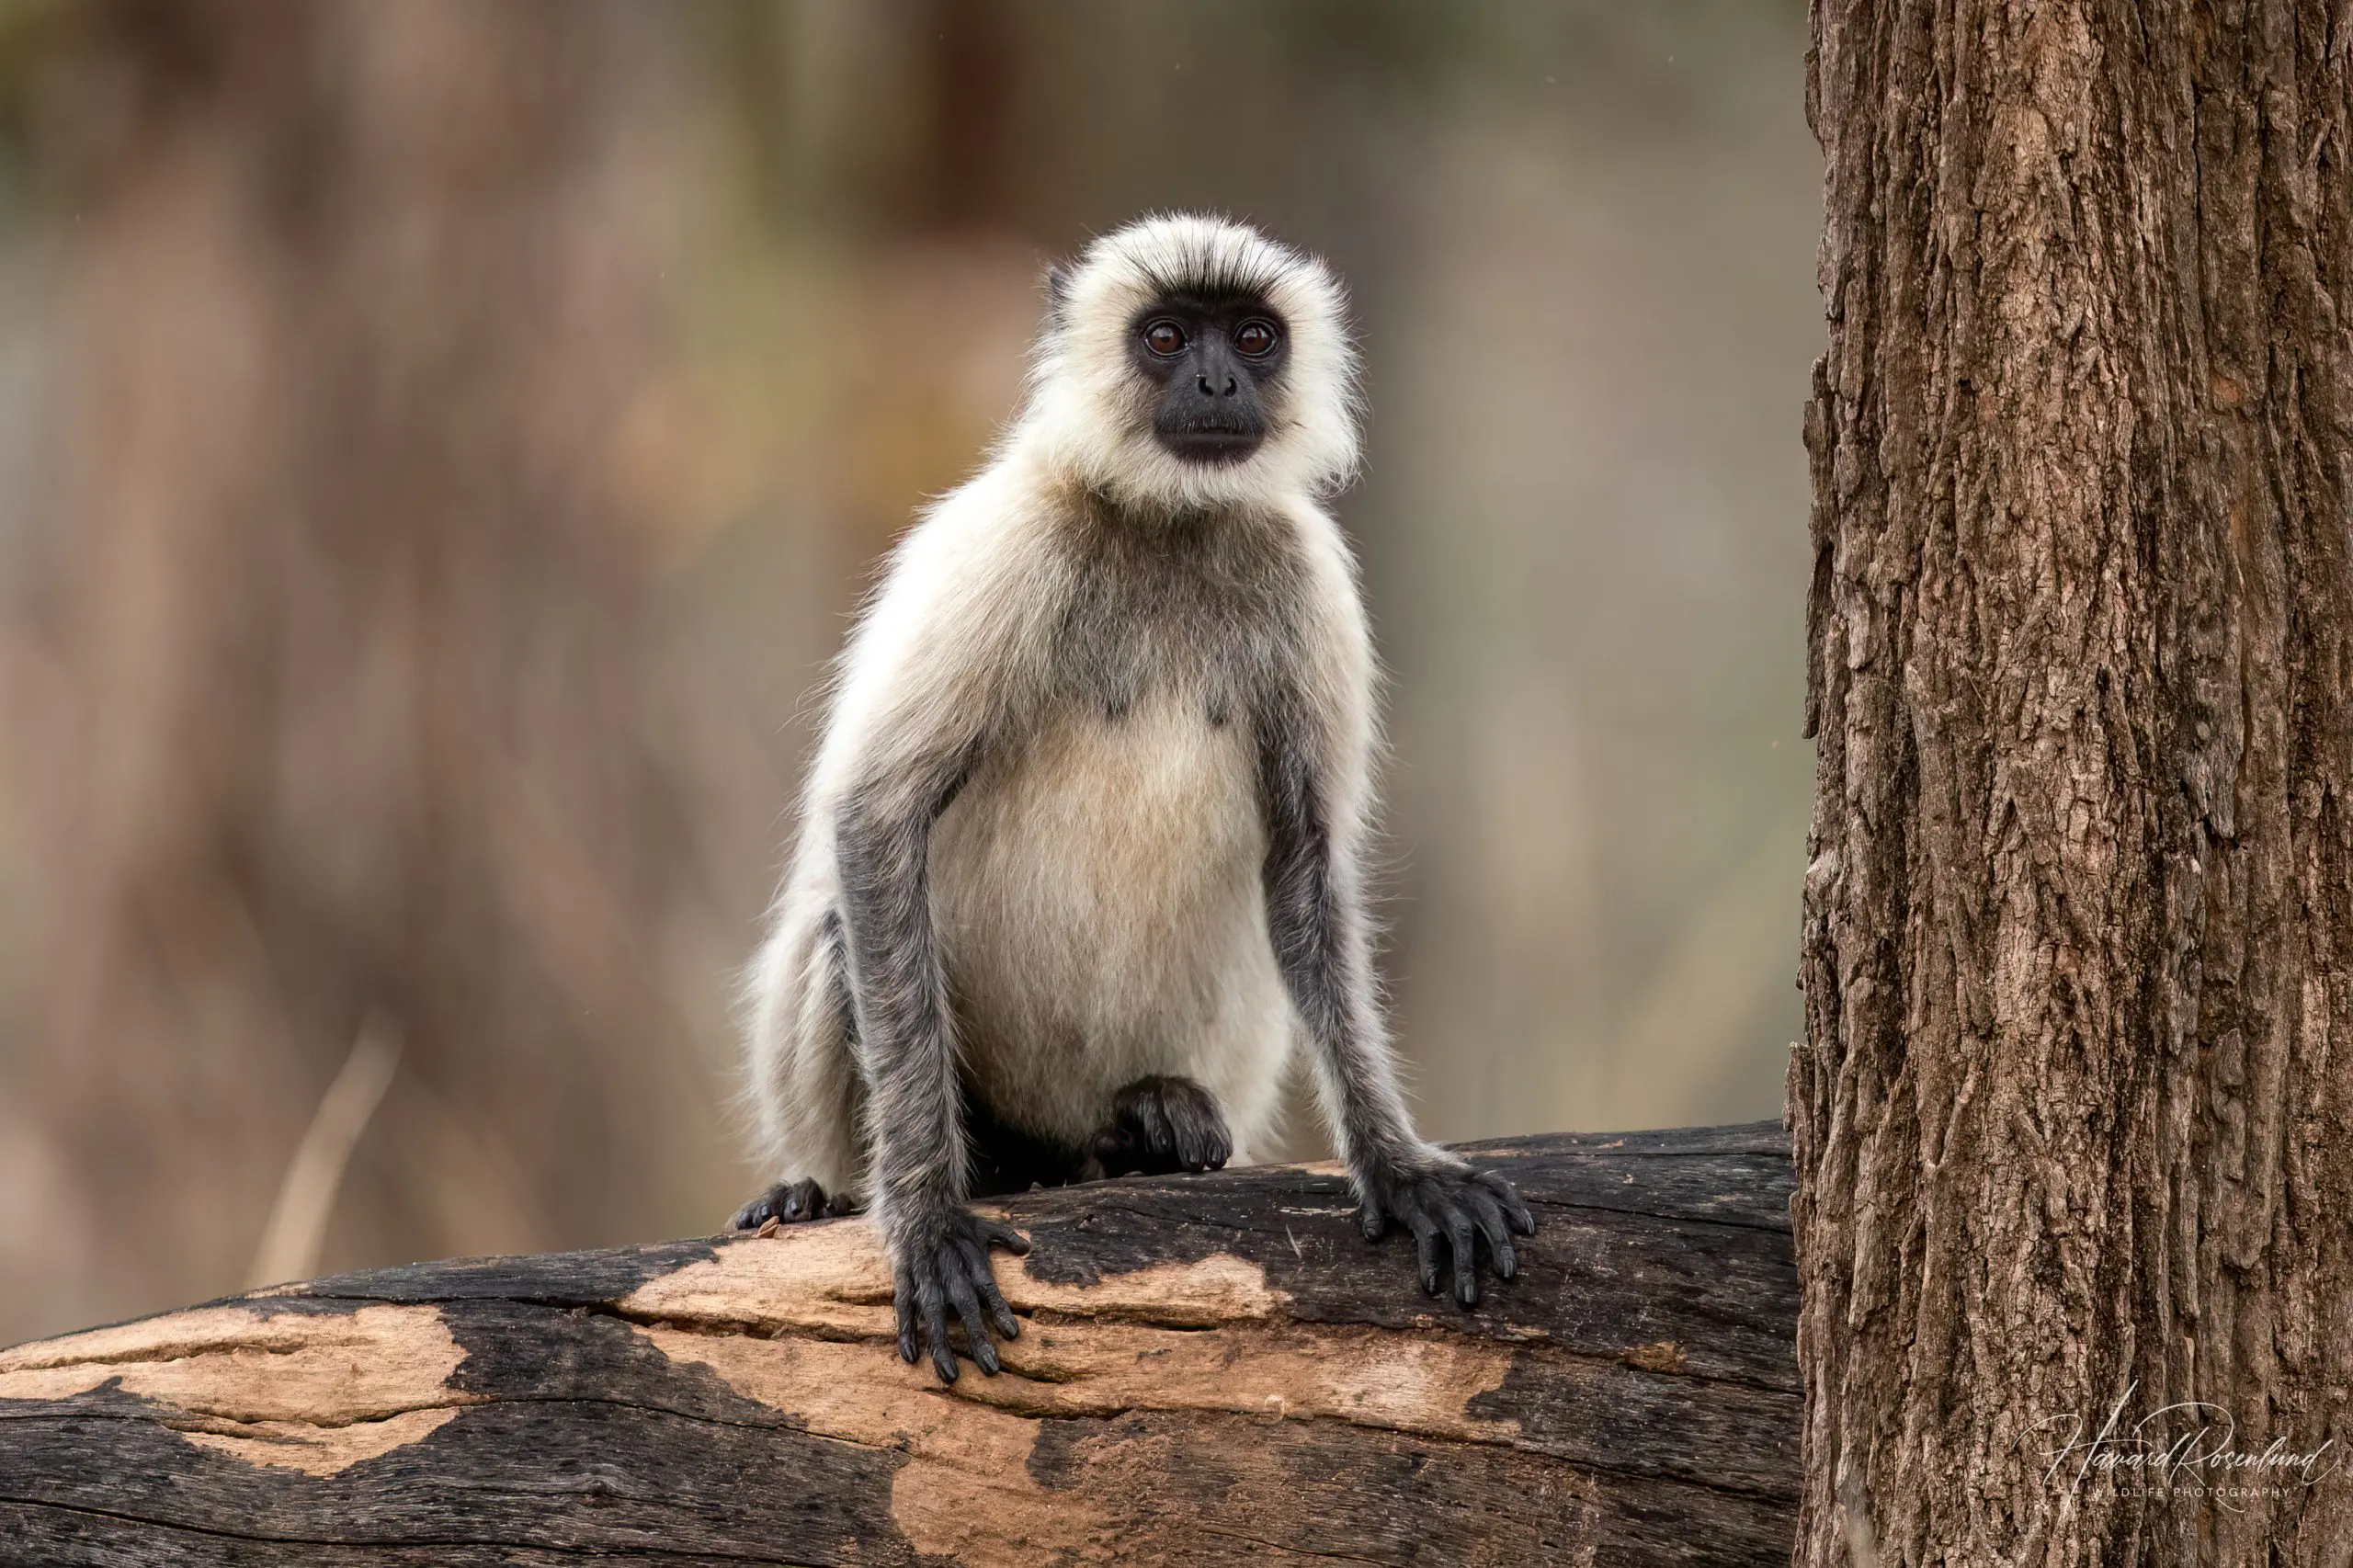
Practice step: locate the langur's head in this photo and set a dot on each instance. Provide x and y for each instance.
(1193, 361)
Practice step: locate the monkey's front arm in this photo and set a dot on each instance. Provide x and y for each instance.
(938, 1248)
(1314, 909)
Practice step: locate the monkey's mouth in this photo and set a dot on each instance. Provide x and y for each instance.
(1215, 445)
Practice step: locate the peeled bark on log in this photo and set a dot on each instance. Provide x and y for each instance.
(1211, 1369)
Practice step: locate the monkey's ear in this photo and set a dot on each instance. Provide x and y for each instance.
(1057, 290)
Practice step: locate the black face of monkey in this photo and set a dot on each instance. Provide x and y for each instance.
(1215, 362)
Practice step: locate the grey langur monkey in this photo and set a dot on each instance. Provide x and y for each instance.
(1081, 852)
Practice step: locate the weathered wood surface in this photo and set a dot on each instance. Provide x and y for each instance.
(1212, 1370)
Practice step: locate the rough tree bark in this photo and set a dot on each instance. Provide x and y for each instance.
(2071, 1117)
(1214, 1369)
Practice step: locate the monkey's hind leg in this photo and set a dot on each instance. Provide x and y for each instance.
(788, 1202)
(1160, 1126)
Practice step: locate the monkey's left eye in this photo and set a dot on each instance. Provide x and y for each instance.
(1163, 338)
(1255, 339)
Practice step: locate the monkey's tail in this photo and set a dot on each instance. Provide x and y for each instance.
(804, 1089)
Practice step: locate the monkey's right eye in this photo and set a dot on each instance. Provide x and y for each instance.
(1163, 338)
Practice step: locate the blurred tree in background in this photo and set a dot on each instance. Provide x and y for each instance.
(440, 442)
(352, 709)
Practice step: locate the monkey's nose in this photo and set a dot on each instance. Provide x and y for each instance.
(1231, 386)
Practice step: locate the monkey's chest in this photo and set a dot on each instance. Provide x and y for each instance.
(1099, 901)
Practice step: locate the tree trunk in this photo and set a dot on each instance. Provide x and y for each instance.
(2070, 1118)
(1212, 1370)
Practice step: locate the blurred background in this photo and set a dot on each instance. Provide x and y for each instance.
(440, 443)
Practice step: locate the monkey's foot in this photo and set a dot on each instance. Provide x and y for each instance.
(1161, 1126)
(942, 1261)
(1450, 1203)
(788, 1202)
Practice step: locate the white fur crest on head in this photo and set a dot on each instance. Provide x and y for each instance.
(1092, 416)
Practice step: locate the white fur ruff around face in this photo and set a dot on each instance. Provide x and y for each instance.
(1091, 418)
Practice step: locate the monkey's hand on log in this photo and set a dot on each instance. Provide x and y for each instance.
(1160, 1126)
(941, 1261)
(1442, 1200)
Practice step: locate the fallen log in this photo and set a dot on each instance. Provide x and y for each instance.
(1211, 1369)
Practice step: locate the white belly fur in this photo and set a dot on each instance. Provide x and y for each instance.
(1101, 916)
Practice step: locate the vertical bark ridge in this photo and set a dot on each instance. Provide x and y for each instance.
(2069, 1117)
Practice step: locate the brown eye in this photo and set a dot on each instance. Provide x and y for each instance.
(1255, 339)
(1163, 338)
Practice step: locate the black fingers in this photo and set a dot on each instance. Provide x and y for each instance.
(903, 1297)
(930, 1300)
(1202, 1141)
(788, 1203)
(1163, 1125)
(1466, 1252)
(1492, 1225)
(976, 1262)
(946, 1268)
(1140, 1106)
(1425, 1247)
(1005, 1236)
(1498, 1183)
(956, 1269)
(1458, 1209)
